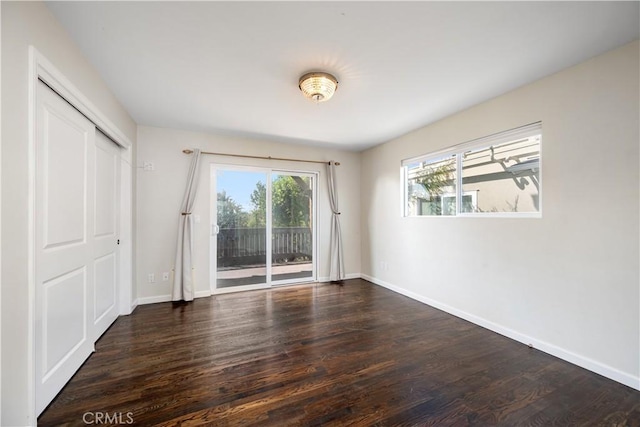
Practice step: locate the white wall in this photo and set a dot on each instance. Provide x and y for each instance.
(24, 24)
(160, 192)
(569, 282)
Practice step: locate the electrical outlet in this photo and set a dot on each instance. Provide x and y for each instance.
(151, 278)
(165, 276)
(147, 166)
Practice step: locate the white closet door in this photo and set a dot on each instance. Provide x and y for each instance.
(105, 234)
(64, 273)
(77, 199)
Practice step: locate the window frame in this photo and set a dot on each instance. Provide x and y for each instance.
(458, 151)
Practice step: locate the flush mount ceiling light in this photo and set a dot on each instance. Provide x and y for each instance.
(318, 86)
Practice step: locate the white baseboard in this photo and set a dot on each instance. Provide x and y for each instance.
(207, 293)
(166, 298)
(582, 361)
(202, 294)
(154, 299)
(133, 306)
(346, 277)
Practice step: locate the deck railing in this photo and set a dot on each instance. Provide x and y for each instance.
(247, 246)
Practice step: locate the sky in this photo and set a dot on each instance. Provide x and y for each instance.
(239, 185)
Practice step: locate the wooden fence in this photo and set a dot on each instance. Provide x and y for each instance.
(247, 246)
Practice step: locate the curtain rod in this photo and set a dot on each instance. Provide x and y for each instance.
(188, 151)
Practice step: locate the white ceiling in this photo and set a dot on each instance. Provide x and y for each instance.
(233, 67)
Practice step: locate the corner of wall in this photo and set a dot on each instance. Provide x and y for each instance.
(554, 350)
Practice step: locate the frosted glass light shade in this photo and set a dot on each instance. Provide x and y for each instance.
(318, 86)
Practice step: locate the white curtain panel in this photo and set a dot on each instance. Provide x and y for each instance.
(183, 277)
(336, 260)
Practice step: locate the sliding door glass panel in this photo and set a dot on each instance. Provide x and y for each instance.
(292, 224)
(242, 220)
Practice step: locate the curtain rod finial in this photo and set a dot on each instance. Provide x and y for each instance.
(187, 151)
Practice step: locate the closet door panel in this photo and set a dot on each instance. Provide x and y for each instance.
(64, 190)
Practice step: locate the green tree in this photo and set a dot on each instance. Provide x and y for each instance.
(434, 179)
(230, 213)
(291, 203)
(258, 216)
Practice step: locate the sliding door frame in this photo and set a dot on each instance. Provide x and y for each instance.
(213, 227)
(314, 229)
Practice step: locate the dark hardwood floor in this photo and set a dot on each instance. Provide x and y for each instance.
(325, 355)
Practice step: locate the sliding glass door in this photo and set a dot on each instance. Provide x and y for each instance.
(292, 227)
(241, 244)
(262, 228)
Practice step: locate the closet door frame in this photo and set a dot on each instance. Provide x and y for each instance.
(41, 69)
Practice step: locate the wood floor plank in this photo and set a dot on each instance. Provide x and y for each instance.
(324, 355)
